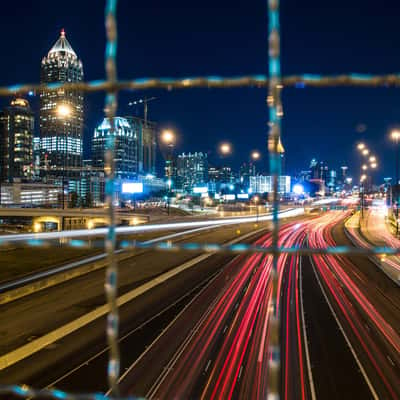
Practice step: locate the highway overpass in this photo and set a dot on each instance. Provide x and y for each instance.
(72, 218)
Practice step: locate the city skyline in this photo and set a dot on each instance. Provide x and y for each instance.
(308, 126)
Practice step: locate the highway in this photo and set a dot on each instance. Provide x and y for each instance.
(204, 333)
(217, 348)
(373, 230)
(45, 311)
(366, 304)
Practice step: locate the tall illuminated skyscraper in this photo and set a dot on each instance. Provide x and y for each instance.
(61, 115)
(126, 162)
(16, 142)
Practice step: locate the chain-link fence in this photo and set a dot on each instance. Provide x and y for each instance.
(111, 86)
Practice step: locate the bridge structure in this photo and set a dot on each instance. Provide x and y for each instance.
(71, 218)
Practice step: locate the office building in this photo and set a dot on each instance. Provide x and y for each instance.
(92, 185)
(332, 181)
(146, 144)
(314, 169)
(264, 184)
(191, 170)
(61, 115)
(245, 171)
(220, 178)
(36, 158)
(319, 170)
(29, 194)
(125, 149)
(16, 141)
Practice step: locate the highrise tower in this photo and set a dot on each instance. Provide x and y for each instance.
(61, 115)
(16, 141)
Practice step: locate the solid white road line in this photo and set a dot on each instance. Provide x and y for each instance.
(38, 344)
(122, 338)
(303, 321)
(353, 352)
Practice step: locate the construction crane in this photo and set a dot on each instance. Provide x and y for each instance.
(143, 101)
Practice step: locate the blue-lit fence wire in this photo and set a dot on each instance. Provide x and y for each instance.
(275, 115)
(259, 81)
(27, 392)
(238, 248)
(111, 284)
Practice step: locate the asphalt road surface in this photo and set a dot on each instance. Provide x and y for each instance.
(205, 332)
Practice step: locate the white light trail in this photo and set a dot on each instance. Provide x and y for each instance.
(145, 228)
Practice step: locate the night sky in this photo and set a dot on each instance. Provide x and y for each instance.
(219, 37)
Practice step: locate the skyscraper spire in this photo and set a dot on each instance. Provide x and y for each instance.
(280, 148)
(62, 46)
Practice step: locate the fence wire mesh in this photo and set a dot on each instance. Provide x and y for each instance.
(111, 86)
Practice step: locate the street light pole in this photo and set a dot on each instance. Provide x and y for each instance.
(63, 112)
(168, 138)
(396, 187)
(256, 205)
(169, 196)
(257, 213)
(362, 199)
(395, 135)
(373, 164)
(169, 175)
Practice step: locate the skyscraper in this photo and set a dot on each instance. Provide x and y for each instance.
(192, 170)
(245, 171)
(16, 141)
(146, 144)
(126, 166)
(61, 115)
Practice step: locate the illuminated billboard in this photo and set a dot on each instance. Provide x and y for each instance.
(200, 189)
(132, 187)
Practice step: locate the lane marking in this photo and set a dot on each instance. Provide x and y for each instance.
(50, 272)
(353, 352)
(390, 360)
(181, 348)
(303, 321)
(46, 279)
(388, 272)
(14, 356)
(131, 332)
(175, 357)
